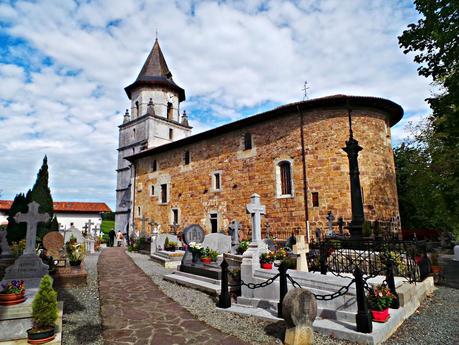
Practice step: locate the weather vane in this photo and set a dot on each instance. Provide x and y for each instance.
(305, 90)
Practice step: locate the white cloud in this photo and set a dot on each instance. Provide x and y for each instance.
(229, 56)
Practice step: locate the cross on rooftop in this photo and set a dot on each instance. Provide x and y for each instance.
(31, 218)
(301, 248)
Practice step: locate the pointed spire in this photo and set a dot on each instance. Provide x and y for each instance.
(155, 72)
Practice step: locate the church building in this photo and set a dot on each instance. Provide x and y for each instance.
(292, 156)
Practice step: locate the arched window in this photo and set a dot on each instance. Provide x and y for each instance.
(247, 141)
(137, 108)
(169, 110)
(285, 178)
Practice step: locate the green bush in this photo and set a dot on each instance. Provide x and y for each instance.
(44, 305)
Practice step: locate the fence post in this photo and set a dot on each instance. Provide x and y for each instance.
(283, 286)
(363, 317)
(224, 300)
(323, 257)
(391, 283)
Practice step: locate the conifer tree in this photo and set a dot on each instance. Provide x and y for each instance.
(17, 231)
(44, 305)
(42, 194)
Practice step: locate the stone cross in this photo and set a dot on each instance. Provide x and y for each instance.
(96, 231)
(330, 218)
(256, 209)
(234, 232)
(85, 228)
(144, 221)
(300, 249)
(268, 228)
(64, 230)
(32, 218)
(89, 223)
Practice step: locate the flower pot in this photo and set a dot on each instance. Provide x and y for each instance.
(75, 263)
(266, 265)
(40, 336)
(380, 315)
(206, 260)
(436, 269)
(12, 298)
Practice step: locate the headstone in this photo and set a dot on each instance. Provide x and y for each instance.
(144, 221)
(89, 224)
(219, 242)
(89, 245)
(456, 253)
(268, 228)
(75, 233)
(4, 247)
(54, 243)
(299, 310)
(300, 249)
(256, 209)
(341, 225)
(161, 239)
(193, 233)
(29, 265)
(96, 231)
(330, 218)
(234, 232)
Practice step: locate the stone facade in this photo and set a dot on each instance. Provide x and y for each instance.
(191, 191)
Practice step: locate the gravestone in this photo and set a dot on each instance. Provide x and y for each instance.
(234, 232)
(219, 242)
(88, 226)
(193, 233)
(144, 221)
(256, 209)
(75, 233)
(54, 243)
(300, 249)
(341, 225)
(161, 239)
(4, 247)
(29, 265)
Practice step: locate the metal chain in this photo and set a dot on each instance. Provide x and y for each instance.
(256, 286)
(329, 297)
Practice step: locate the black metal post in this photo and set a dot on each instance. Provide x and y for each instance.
(363, 317)
(391, 283)
(224, 300)
(323, 251)
(352, 149)
(283, 286)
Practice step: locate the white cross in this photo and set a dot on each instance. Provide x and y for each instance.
(32, 218)
(301, 248)
(256, 209)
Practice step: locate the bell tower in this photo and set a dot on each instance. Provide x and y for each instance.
(154, 120)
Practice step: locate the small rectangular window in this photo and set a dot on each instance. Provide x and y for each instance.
(187, 157)
(164, 193)
(154, 165)
(286, 178)
(315, 199)
(247, 141)
(217, 181)
(152, 190)
(175, 216)
(171, 134)
(138, 211)
(169, 111)
(214, 222)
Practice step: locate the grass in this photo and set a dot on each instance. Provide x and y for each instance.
(106, 226)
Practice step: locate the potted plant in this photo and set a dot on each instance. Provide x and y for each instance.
(213, 254)
(280, 254)
(379, 300)
(44, 313)
(76, 253)
(243, 246)
(205, 256)
(169, 246)
(196, 250)
(12, 293)
(267, 259)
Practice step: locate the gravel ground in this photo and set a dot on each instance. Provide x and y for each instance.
(247, 328)
(81, 320)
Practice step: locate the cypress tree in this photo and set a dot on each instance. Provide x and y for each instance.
(17, 231)
(42, 194)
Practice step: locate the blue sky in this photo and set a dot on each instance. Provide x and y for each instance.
(64, 65)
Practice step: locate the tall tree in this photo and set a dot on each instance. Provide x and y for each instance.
(17, 231)
(435, 41)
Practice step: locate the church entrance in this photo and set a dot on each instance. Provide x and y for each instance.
(214, 222)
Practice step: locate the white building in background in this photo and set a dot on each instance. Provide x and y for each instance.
(67, 212)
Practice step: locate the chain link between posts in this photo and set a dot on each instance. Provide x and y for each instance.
(329, 297)
(256, 286)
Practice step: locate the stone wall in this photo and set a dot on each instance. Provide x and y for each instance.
(244, 172)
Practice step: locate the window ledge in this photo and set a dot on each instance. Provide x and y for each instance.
(285, 196)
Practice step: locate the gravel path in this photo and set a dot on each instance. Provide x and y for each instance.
(81, 320)
(202, 306)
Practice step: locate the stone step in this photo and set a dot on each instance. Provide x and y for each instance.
(166, 263)
(195, 283)
(201, 278)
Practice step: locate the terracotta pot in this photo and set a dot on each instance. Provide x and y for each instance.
(206, 260)
(11, 296)
(380, 315)
(266, 266)
(40, 336)
(436, 269)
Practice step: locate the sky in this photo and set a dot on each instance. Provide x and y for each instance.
(64, 65)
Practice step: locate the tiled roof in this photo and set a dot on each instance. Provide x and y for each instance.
(67, 206)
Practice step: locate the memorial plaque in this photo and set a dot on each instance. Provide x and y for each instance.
(53, 242)
(193, 233)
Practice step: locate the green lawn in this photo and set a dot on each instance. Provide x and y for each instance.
(106, 226)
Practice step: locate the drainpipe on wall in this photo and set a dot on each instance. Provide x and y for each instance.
(305, 180)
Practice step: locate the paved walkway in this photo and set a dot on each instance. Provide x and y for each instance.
(136, 312)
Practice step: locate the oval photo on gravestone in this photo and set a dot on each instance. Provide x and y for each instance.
(193, 233)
